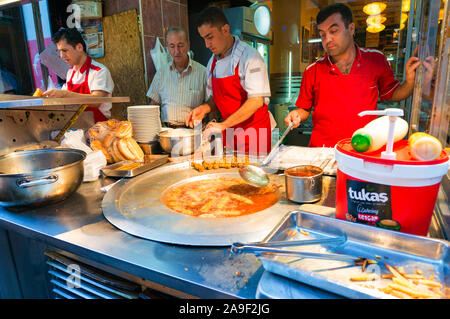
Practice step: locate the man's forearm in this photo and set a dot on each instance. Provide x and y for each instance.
(68, 93)
(211, 104)
(244, 112)
(92, 94)
(402, 92)
(304, 114)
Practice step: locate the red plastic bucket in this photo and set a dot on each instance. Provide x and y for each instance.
(397, 194)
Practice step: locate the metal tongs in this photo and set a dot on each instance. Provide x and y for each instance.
(269, 248)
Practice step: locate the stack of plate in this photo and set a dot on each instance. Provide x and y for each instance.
(146, 122)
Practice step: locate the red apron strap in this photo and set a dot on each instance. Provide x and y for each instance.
(83, 88)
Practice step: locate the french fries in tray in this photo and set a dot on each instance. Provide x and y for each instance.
(404, 285)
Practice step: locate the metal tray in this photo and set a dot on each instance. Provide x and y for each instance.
(394, 248)
(149, 163)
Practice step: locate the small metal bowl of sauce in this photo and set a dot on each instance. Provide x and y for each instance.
(304, 183)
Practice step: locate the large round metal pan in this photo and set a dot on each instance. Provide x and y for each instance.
(135, 207)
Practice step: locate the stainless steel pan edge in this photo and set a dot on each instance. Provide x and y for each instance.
(16, 154)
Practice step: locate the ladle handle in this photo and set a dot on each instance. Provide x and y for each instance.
(106, 188)
(275, 148)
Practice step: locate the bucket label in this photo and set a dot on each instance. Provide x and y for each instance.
(368, 203)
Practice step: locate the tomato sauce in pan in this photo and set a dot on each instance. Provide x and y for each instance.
(220, 197)
(303, 171)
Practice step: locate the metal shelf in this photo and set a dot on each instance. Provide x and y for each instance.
(20, 101)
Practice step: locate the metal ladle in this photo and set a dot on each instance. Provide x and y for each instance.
(255, 175)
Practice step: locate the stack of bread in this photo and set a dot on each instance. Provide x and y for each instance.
(114, 139)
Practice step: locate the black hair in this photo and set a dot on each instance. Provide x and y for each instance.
(71, 35)
(340, 8)
(213, 16)
(176, 29)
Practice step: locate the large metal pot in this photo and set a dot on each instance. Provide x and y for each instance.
(38, 177)
(304, 183)
(178, 142)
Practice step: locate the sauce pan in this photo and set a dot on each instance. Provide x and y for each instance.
(304, 183)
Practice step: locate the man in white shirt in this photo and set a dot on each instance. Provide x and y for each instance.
(86, 77)
(239, 87)
(179, 86)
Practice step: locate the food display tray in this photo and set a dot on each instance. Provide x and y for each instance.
(411, 253)
(150, 162)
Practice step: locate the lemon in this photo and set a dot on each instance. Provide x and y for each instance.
(424, 147)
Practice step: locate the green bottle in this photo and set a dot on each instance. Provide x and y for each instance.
(361, 142)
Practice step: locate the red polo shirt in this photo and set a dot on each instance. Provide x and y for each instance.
(336, 99)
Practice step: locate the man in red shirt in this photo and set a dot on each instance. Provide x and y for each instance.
(345, 81)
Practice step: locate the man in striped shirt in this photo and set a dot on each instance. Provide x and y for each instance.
(180, 86)
(345, 82)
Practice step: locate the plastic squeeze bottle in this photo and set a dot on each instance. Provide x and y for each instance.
(424, 147)
(384, 130)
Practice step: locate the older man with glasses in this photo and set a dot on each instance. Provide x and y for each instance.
(180, 86)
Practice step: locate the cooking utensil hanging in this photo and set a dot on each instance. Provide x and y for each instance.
(70, 122)
(255, 175)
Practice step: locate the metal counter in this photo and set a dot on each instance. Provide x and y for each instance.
(78, 226)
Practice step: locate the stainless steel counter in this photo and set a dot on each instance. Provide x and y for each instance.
(78, 226)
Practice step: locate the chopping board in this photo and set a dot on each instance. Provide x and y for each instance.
(11, 97)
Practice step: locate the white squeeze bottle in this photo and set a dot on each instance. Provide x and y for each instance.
(384, 130)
